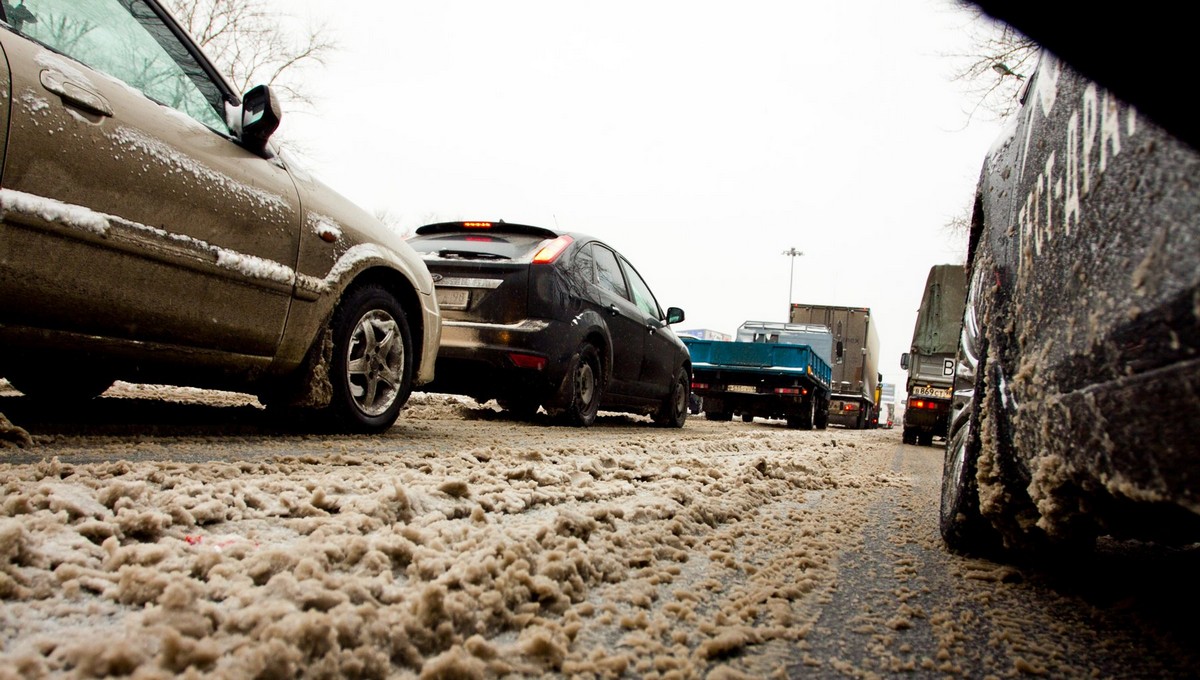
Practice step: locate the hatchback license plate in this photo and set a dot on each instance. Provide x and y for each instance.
(453, 298)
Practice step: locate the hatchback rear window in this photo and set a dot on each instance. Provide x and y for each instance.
(478, 246)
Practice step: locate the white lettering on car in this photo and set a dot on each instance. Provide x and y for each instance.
(1053, 206)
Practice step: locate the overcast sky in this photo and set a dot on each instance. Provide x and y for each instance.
(701, 139)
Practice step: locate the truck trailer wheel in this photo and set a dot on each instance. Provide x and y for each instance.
(804, 419)
(821, 419)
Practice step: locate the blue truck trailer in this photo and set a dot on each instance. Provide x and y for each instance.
(773, 370)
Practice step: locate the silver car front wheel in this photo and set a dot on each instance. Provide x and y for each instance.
(372, 360)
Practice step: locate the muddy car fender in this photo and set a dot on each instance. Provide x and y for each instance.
(342, 247)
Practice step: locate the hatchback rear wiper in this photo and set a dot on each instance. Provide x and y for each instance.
(470, 255)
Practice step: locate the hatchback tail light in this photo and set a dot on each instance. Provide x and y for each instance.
(530, 361)
(551, 249)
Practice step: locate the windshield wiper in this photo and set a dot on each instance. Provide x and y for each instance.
(470, 255)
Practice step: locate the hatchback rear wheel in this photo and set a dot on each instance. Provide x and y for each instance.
(584, 386)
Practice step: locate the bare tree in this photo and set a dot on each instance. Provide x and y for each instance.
(995, 66)
(393, 221)
(252, 45)
(957, 230)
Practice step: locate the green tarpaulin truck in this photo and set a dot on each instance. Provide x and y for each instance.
(931, 360)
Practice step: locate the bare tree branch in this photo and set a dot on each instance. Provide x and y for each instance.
(252, 44)
(995, 66)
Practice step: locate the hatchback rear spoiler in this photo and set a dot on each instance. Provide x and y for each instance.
(485, 227)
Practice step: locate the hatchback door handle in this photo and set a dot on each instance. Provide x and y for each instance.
(75, 93)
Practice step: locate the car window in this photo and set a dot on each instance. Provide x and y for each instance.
(642, 296)
(500, 246)
(128, 41)
(583, 266)
(608, 272)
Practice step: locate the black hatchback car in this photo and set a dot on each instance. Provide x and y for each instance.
(534, 317)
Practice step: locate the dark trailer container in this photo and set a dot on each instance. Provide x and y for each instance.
(855, 376)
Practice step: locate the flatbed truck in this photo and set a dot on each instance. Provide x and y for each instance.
(773, 370)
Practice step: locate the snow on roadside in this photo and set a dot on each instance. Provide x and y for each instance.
(512, 548)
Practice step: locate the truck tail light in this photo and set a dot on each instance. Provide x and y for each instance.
(699, 386)
(795, 391)
(551, 249)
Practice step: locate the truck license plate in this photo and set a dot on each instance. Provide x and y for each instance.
(931, 392)
(746, 389)
(453, 298)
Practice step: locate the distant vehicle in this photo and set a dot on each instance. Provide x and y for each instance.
(150, 232)
(887, 404)
(773, 370)
(539, 318)
(704, 334)
(931, 360)
(855, 361)
(1080, 352)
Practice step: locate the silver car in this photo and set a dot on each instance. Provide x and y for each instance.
(150, 231)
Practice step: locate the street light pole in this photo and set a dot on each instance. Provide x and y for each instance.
(792, 253)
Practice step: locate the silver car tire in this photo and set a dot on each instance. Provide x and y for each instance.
(372, 360)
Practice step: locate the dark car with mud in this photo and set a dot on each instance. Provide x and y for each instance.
(151, 232)
(534, 317)
(1077, 408)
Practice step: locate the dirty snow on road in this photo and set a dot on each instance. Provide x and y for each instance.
(459, 544)
(179, 533)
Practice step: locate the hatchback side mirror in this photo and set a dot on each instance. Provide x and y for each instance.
(260, 118)
(674, 315)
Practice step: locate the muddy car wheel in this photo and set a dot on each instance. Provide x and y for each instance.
(963, 526)
(674, 409)
(747, 418)
(584, 386)
(372, 360)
